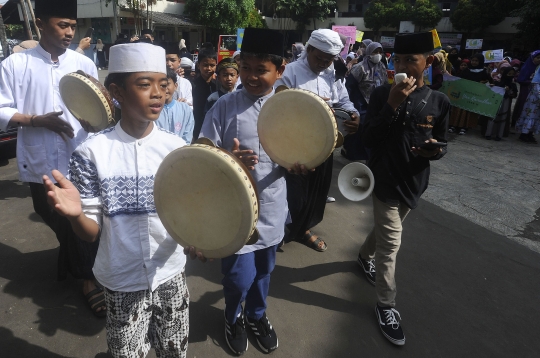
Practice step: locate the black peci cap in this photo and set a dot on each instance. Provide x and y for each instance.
(413, 43)
(56, 8)
(146, 32)
(263, 41)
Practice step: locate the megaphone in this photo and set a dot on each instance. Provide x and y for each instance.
(356, 181)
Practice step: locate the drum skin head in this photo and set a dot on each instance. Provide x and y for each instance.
(205, 199)
(85, 101)
(297, 125)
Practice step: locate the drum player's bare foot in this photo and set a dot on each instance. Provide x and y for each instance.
(314, 242)
(95, 297)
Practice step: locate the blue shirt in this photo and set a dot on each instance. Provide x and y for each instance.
(177, 118)
(235, 115)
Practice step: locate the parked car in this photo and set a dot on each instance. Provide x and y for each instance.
(8, 143)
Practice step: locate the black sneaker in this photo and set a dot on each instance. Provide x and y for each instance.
(265, 334)
(390, 327)
(236, 335)
(369, 268)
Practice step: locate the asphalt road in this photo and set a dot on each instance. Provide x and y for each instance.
(465, 288)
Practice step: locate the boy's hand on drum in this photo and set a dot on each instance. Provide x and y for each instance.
(65, 199)
(86, 126)
(246, 156)
(194, 254)
(53, 122)
(351, 126)
(300, 169)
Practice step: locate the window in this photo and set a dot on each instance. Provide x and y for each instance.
(446, 9)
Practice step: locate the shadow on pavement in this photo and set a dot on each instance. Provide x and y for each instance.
(16, 347)
(61, 304)
(13, 189)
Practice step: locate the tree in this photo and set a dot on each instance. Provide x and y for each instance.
(475, 15)
(528, 28)
(305, 11)
(398, 11)
(426, 14)
(222, 16)
(376, 16)
(255, 20)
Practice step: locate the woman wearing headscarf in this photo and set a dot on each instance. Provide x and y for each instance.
(496, 126)
(368, 75)
(529, 121)
(455, 60)
(496, 74)
(460, 119)
(462, 68)
(524, 79)
(439, 69)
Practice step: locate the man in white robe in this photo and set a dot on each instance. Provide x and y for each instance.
(48, 133)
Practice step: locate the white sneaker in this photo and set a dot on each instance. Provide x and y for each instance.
(330, 199)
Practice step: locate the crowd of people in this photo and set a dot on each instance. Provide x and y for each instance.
(95, 191)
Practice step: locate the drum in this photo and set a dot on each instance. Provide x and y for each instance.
(206, 198)
(87, 100)
(342, 116)
(297, 126)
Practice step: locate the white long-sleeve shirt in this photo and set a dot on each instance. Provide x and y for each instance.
(114, 174)
(29, 85)
(184, 90)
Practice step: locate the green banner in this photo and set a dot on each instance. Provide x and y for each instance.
(472, 96)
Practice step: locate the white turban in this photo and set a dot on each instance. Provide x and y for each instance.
(137, 57)
(326, 40)
(236, 53)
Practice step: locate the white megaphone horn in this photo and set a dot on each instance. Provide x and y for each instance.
(356, 181)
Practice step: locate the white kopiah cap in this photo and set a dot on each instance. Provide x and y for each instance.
(186, 62)
(137, 57)
(328, 41)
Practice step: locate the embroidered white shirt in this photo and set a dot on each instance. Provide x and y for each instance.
(29, 85)
(114, 174)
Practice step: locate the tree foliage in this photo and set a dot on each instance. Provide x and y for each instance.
(426, 14)
(475, 15)
(376, 15)
(224, 16)
(255, 20)
(303, 12)
(528, 29)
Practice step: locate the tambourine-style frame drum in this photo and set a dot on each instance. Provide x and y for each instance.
(206, 198)
(87, 100)
(297, 126)
(342, 116)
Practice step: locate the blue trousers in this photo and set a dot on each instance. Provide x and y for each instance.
(247, 278)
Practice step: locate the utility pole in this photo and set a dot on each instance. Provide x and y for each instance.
(31, 9)
(115, 16)
(26, 22)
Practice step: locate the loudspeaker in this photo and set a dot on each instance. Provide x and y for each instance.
(356, 181)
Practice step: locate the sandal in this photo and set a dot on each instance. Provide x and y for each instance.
(314, 244)
(97, 302)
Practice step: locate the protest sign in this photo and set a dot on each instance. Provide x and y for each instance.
(493, 55)
(473, 44)
(387, 42)
(226, 46)
(239, 38)
(359, 36)
(472, 96)
(350, 33)
(428, 76)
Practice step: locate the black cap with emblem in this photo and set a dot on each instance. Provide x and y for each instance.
(263, 41)
(413, 43)
(56, 8)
